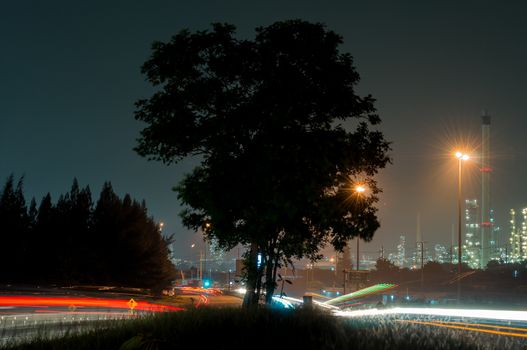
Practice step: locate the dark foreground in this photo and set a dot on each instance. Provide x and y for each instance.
(271, 329)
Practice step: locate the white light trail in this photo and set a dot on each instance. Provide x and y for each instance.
(508, 315)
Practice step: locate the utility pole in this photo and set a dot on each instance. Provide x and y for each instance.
(201, 265)
(307, 277)
(358, 261)
(382, 251)
(205, 259)
(422, 243)
(422, 255)
(345, 279)
(452, 246)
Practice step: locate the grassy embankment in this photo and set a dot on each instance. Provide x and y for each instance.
(271, 329)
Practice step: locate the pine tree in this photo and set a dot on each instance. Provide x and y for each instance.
(43, 241)
(14, 225)
(103, 238)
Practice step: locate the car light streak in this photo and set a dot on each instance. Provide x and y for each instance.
(318, 296)
(482, 314)
(378, 288)
(485, 325)
(203, 300)
(285, 303)
(43, 302)
(83, 313)
(292, 300)
(443, 325)
(199, 290)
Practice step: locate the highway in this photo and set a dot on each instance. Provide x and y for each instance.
(50, 313)
(509, 323)
(26, 316)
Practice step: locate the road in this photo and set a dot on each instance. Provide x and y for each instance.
(26, 314)
(509, 323)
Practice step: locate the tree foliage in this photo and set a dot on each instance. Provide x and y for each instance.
(72, 242)
(281, 135)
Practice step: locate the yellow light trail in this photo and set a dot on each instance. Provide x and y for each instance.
(442, 324)
(486, 325)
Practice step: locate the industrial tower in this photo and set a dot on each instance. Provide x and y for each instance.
(486, 225)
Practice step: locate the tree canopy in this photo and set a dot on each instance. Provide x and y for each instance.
(281, 134)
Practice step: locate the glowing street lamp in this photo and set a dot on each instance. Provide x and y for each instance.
(360, 189)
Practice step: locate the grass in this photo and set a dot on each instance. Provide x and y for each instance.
(272, 329)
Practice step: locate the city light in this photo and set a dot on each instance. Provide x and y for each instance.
(462, 156)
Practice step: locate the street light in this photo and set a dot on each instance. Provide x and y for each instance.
(359, 190)
(460, 157)
(206, 227)
(199, 268)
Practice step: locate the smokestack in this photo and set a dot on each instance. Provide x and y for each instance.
(485, 191)
(418, 237)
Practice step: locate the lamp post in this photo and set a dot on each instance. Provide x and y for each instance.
(206, 227)
(199, 266)
(460, 157)
(359, 189)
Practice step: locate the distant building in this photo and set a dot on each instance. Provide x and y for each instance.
(400, 259)
(515, 240)
(472, 244)
(495, 251)
(441, 254)
(523, 235)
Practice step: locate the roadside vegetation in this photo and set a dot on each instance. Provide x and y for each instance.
(299, 329)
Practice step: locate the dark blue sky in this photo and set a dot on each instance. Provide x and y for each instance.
(69, 76)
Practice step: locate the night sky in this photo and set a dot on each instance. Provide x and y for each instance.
(70, 74)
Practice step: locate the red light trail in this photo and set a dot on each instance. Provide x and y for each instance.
(43, 302)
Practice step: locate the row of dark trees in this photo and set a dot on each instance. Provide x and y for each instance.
(74, 241)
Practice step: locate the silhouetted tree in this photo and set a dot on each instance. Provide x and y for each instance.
(42, 241)
(79, 228)
(14, 224)
(104, 235)
(72, 243)
(281, 135)
(128, 244)
(32, 213)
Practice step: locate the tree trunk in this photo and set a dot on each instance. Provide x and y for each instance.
(251, 298)
(269, 280)
(275, 268)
